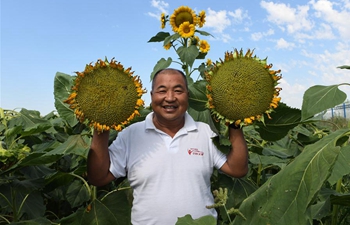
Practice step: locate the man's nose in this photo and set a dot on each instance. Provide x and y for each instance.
(170, 96)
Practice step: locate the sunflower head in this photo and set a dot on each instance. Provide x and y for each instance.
(106, 95)
(163, 20)
(181, 15)
(167, 46)
(201, 18)
(186, 30)
(204, 46)
(242, 88)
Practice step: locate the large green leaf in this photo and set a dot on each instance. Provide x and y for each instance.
(160, 36)
(237, 189)
(161, 64)
(188, 54)
(341, 166)
(320, 98)
(113, 209)
(36, 221)
(62, 88)
(75, 144)
(285, 198)
(344, 67)
(188, 220)
(28, 119)
(77, 193)
(282, 121)
(33, 159)
(198, 97)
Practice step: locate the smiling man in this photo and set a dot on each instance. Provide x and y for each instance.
(168, 158)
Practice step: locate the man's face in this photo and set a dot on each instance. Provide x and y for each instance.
(169, 96)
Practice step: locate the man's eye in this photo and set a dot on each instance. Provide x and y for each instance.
(178, 91)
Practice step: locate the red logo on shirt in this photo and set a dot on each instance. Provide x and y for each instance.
(194, 151)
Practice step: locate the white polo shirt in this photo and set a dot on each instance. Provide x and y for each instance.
(170, 177)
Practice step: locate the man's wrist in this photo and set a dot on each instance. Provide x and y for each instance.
(234, 126)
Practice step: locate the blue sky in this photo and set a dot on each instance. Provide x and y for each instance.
(307, 40)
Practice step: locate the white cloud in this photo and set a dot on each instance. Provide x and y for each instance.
(324, 69)
(292, 94)
(283, 44)
(238, 15)
(259, 35)
(338, 19)
(218, 21)
(288, 18)
(161, 6)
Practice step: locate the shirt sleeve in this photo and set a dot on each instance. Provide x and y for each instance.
(118, 156)
(219, 158)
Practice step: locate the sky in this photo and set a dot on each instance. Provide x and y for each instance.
(306, 40)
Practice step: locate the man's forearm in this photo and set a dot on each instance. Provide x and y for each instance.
(237, 159)
(98, 160)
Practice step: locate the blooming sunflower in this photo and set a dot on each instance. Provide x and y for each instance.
(181, 15)
(201, 18)
(242, 88)
(167, 46)
(106, 95)
(186, 30)
(204, 46)
(163, 20)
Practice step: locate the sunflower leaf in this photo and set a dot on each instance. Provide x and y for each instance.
(286, 197)
(344, 67)
(168, 39)
(161, 64)
(160, 36)
(204, 33)
(282, 120)
(62, 89)
(198, 98)
(319, 98)
(188, 55)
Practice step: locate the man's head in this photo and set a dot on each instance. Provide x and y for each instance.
(169, 70)
(169, 95)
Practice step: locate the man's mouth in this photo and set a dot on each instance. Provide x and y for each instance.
(169, 107)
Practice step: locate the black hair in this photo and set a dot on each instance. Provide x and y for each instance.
(170, 69)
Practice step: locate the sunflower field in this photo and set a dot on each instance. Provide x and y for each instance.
(299, 163)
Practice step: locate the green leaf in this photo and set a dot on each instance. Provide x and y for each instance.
(37, 221)
(320, 98)
(171, 38)
(77, 194)
(188, 220)
(75, 144)
(341, 166)
(237, 189)
(198, 97)
(100, 214)
(62, 88)
(37, 128)
(33, 159)
(160, 36)
(161, 64)
(28, 119)
(341, 199)
(285, 198)
(113, 201)
(188, 54)
(204, 33)
(344, 67)
(282, 120)
(34, 205)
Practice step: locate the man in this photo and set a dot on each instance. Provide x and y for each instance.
(168, 158)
